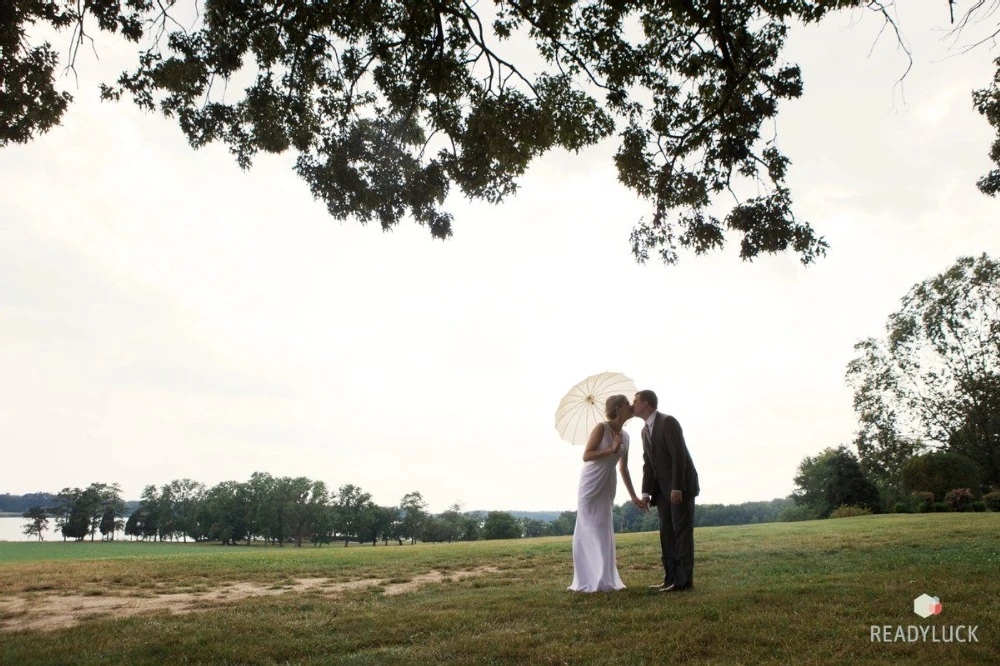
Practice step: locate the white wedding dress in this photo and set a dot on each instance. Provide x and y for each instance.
(594, 567)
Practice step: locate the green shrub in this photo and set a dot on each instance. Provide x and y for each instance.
(958, 499)
(992, 500)
(923, 501)
(941, 507)
(847, 511)
(978, 507)
(939, 472)
(901, 507)
(793, 514)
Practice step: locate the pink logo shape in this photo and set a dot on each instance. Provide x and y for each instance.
(925, 605)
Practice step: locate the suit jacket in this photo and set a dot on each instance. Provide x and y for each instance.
(666, 463)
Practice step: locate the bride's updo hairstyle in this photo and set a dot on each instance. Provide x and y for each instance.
(613, 404)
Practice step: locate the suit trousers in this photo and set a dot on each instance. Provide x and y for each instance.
(677, 540)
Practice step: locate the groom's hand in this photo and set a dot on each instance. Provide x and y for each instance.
(676, 497)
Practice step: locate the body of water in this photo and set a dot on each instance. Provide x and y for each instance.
(12, 529)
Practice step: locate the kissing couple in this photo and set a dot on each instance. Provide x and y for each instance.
(669, 482)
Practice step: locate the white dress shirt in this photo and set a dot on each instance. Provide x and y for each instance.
(650, 420)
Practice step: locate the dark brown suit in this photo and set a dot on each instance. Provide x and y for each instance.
(666, 466)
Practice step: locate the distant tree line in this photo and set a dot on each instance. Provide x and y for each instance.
(268, 509)
(79, 513)
(628, 518)
(273, 510)
(21, 503)
(282, 510)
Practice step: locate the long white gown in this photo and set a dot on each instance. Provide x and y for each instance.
(594, 567)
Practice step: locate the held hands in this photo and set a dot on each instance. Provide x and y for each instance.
(676, 497)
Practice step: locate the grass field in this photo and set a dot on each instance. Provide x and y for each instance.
(784, 593)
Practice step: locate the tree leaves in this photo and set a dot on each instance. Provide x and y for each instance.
(30, 105)
(389, 103)
(832, 479)
(936, 375)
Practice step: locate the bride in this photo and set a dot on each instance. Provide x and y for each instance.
(594, 567)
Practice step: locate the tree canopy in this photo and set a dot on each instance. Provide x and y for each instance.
(934, 380)
(501, 525)
(38, 522)
(79, 512)
(390, 103)
(940, 472)
(831, 479)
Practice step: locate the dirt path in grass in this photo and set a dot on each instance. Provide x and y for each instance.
(45, 612)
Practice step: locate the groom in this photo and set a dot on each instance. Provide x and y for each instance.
(670, 483)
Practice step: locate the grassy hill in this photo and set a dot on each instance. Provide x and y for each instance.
(780, 593)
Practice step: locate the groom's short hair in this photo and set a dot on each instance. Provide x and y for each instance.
(648, 397)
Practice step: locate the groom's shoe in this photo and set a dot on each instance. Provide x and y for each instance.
(668, 588)
(662, 587)
(678, 588)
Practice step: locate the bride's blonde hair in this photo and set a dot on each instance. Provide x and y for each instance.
(613, 404)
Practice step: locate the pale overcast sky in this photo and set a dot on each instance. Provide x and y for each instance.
(165, 315)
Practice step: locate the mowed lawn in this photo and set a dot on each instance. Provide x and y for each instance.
(786, 593)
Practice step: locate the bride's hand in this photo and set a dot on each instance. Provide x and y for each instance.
(617, 442)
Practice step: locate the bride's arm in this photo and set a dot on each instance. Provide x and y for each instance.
(627, 478)
(591, 452)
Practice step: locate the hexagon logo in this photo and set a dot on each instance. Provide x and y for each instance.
(926, 605)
